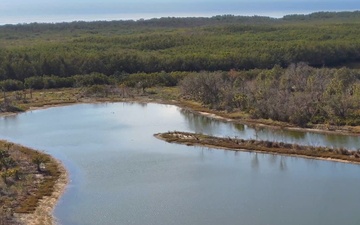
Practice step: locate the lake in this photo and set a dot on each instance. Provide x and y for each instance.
(121, 174)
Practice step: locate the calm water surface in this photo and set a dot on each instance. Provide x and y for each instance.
(121, 174)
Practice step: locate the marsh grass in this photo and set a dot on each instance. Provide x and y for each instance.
(261, 146)
(23, 195)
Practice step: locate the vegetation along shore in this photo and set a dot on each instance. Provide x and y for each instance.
(296, 72)
(271, 147)
(299, 70)
(31, 183)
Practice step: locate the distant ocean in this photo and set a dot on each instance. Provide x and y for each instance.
(148, 10)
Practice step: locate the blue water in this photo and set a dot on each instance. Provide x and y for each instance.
(121, 174)
(18, 11)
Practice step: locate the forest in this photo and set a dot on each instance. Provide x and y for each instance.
(299, 94)
(300, 68)
(178, 44)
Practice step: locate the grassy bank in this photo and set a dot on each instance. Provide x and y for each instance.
(324, 153)
(28, 176)
(25, 100)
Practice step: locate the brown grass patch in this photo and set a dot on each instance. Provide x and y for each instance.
(338, 154)
(23, 195)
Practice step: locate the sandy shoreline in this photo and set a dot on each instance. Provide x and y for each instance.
(43, 214)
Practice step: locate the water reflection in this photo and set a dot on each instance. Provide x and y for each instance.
(211, 126)
(199, 123)
(239, 127)
(255, 162)
(274, 162)
(282, 164)
(121, 174)
(9, 117)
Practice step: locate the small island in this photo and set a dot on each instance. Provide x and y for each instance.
(236, 144)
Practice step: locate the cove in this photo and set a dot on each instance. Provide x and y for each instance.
(121, 174)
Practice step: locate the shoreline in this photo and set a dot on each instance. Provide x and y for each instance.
(43, 213)
(204, 112)
(275, 127)
(193, 139)
(48, 98)
(36, 207)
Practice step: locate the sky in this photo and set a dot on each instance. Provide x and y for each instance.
(26, 11)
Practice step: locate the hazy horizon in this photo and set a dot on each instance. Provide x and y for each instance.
(18, 11)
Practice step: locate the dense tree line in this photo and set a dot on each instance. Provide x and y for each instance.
(299, 94)
(171, 22)
(178, 44)
(138, 80)
(146, 53)
(49, 82)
